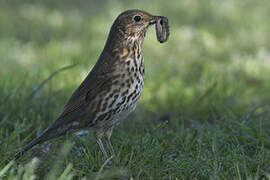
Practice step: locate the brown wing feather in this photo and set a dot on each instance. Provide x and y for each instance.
(78, 106)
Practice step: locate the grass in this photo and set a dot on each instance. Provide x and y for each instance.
(205, 110)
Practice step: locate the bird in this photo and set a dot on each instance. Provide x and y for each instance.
(110, 91)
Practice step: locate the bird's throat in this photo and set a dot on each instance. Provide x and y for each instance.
(131, 49)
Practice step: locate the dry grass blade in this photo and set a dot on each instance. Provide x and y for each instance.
(31, 96)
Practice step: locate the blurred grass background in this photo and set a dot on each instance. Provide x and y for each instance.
(205, 108)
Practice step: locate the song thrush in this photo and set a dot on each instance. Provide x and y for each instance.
(112, 88)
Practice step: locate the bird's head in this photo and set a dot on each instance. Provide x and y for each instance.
(133, 24)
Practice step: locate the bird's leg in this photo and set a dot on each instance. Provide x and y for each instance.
(99, 134)
(108, 134)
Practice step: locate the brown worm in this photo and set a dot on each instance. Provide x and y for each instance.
(162, 29)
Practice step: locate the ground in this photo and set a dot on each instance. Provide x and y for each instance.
(205, 109)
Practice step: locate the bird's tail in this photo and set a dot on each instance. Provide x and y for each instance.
(42, 138)
(51, 132)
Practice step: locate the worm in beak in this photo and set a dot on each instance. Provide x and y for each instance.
(162, 28)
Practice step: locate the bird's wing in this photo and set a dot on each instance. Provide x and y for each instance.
(79, 104)
(87, 91)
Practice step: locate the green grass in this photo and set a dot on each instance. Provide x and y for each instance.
(205, 110)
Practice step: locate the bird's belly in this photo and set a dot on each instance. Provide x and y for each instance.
(121, 115)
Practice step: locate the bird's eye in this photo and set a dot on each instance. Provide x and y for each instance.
(137, 18)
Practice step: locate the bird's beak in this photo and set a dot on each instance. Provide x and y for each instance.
(152, 20)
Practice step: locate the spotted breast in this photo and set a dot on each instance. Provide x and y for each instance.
(126, 90)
